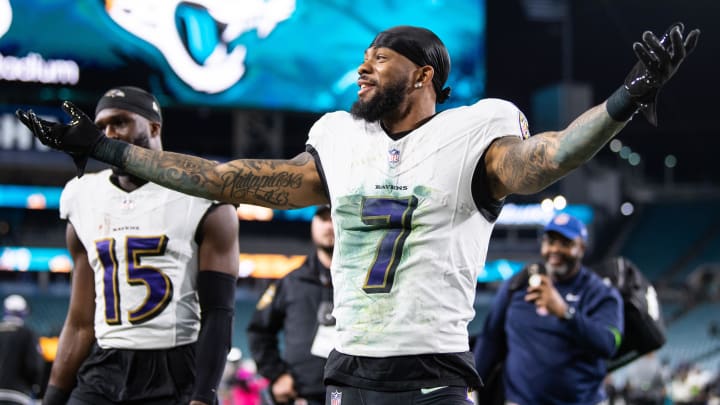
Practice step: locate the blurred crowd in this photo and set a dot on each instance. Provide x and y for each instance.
(652, 381)
(241, 385)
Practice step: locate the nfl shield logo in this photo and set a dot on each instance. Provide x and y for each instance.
(335, 398)
(393, 157)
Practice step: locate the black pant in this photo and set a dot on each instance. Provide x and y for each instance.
(136, 377)
(358, 396)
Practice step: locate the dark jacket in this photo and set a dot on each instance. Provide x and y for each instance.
(21, 364)
(548, 360)
(291, 305)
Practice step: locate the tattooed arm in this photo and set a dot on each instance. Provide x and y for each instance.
(516, 166)
(281, 184)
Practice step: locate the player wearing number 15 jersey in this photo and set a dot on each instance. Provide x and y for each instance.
(162, 266)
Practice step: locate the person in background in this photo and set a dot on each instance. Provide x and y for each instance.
(553, 326)
(153, 283)
(21, 361)
(300, 305)
(646, 381)
(232, 362)
(415, 194)
(248, 388)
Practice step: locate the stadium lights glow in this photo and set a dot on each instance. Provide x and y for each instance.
(625, 152)
(547, 205)
(559, 203)
(627, 208)
(17, 196)
(616, 145)
(252, 265)
(670, 161)
(634, 159)
(36, 201)
(248, 212)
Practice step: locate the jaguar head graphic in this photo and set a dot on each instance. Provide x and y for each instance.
(196, 36)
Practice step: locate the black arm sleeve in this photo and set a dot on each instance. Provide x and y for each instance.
(55, 396)
(216, 293)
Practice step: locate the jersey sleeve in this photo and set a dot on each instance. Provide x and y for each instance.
(66, 199)
(319, 133)
(506, 119)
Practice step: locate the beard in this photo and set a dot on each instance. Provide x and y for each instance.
(385, 102)
(557, 271)
(562, 270)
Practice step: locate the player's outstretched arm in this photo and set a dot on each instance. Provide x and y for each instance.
(516, 166)
(525, 167)
(281, 184)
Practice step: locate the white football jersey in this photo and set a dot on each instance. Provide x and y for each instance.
(410, 240)
(141, 246)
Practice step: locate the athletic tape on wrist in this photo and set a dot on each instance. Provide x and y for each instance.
(111, 151)
(620, 105)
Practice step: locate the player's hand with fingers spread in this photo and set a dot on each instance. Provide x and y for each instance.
(78, 138)
(658, 60)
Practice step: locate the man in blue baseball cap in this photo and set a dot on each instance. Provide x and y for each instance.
(553, 326)
(568, 226)
(563, 245)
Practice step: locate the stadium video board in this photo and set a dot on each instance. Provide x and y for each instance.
(297, 55)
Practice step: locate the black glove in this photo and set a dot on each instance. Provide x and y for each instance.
(78, 138)
(659, 59)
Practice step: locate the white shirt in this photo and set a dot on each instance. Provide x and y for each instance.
(141, 246)
(410, 240)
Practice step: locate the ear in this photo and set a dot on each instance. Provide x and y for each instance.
(155, 129)
(580, 246)
(424, 75)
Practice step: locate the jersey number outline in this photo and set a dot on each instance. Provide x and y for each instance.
(395, 215)
(158, 284)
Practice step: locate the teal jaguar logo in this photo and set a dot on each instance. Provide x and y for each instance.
(199, 38)
(5, 16)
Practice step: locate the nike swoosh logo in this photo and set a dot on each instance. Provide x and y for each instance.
(429, 390)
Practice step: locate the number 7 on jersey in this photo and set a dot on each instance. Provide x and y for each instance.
(395, 215)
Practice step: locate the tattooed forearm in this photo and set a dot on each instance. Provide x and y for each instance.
(585, 137)
(533, 168)
(191, 175)
(270, 183)
(243, 184)
(526, 167)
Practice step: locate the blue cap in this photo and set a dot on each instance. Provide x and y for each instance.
(567, 226)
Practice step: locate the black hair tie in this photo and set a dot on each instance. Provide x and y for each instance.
(443, 95)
